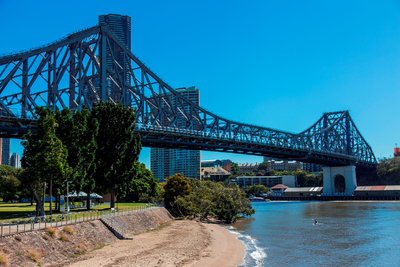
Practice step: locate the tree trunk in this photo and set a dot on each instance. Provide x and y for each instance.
(112, 193)
(112, 202)
(88, 201)
(31, 201)
(51, 195)
(44, 196)
(57, 204)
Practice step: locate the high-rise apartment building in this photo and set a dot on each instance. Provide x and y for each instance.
(5, 151)
(15, 161)
(166, 162)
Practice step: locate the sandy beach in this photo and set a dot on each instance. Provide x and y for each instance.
(176, 243)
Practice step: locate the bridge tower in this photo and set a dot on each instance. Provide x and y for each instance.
(340, 179)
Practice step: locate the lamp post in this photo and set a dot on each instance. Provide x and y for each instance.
(68, 196)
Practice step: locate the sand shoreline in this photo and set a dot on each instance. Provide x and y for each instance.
(178, 243)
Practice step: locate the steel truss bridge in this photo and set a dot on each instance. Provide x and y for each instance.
(93, 64)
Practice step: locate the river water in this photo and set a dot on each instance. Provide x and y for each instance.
(347, 234)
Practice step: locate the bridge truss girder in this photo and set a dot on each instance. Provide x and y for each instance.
(93, 65)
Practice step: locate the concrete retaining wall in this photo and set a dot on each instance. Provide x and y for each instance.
(39, 248)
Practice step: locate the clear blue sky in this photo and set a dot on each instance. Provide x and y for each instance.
(278, 64)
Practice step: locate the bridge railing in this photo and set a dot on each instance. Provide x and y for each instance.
(208, 134)
(9, 54)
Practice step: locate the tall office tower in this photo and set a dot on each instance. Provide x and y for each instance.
(121, 26)
(5, 151)
(166, 162)
(15, 161)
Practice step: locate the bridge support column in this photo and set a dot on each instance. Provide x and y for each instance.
(349, 174)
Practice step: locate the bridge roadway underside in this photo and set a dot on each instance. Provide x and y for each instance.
(16, 128)
(220, 145)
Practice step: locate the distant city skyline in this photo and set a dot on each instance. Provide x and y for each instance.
(278, 65)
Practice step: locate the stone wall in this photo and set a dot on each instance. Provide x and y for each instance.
(39, 248)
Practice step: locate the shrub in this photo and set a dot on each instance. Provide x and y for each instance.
(208, 198)
(80, 249)
(64, 237)
(176, 186)
(33, 255)
(52, 231)
(19, 253)
(68, 230)
(3, 260)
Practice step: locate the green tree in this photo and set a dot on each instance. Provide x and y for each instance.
(176, 185)
(232, 203)
(315, 180)
(209, 198)
(44, 154)
(302, 178)
(389, 169)
(263, 166)
(255, 190)
(78, 133)
(117, 146)
(199, 202)
(143, 184)
(234, 168)
(28, 184)
(9, 183)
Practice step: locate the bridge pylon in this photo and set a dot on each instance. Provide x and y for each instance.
(333, 176)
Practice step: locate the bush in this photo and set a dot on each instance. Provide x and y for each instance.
(176, 186)
(64, 237)
(33, 255)
(52, 231)
(80, 249)
(256, 190)
(3, 260)
(68, 230)
(208, 198)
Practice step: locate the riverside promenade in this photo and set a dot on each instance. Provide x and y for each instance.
(22, 225)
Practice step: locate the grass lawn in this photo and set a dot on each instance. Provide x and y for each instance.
(10, 211)
(15, 210)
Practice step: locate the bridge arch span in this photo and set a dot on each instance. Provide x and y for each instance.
(94, 65)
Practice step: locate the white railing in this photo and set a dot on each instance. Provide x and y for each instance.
(21, 225)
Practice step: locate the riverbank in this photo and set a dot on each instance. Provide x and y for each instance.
(158, 240)
(176, 243)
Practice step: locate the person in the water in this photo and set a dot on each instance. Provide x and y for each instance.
(315, 222)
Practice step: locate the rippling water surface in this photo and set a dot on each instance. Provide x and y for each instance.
(348, 234)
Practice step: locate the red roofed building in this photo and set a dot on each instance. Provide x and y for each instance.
(278, 190)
